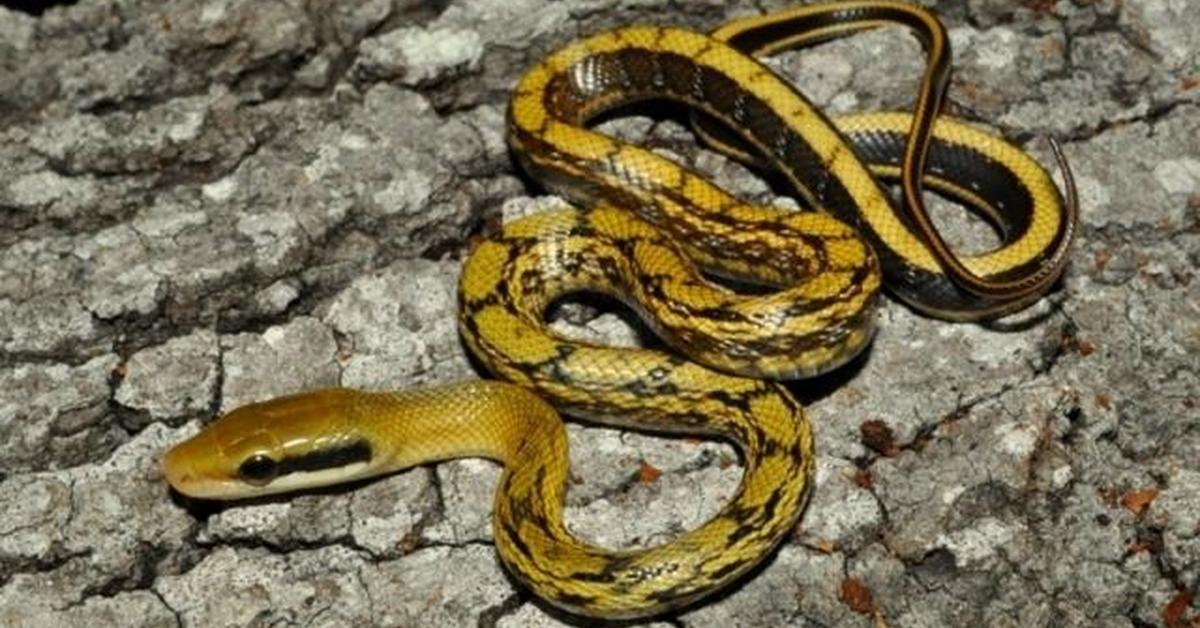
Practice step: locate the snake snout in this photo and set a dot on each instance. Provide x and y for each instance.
(178, 469)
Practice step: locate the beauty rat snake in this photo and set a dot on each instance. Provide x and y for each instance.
(650, 223)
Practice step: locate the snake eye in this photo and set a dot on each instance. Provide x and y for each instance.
(258, 470)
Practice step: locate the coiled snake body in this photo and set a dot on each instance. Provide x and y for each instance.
(649, 224)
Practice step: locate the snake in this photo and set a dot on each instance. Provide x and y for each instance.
(666, 241)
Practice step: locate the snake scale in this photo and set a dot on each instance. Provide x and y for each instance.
(649, 230)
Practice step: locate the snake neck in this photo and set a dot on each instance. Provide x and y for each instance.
(489, 420)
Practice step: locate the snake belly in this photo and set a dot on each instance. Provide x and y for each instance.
(648, 229)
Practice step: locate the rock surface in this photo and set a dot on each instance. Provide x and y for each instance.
(205, 204)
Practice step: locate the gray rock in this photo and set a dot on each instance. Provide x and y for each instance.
(529, 616)
(1177, 513)
(440, 586)
(137, 609)
(390, 517)
(55, 415)
(70, 535)
(299, 355)
(1163, 25)
(46, 325)
(466, 488)
(188, 360)
(400, 325)
(321, 587)
(416, 56)
(203, 205)
(799, 586)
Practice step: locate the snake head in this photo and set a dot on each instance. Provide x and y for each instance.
(285, 444)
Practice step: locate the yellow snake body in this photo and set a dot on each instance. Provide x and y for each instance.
(649, 225)
(506, 285)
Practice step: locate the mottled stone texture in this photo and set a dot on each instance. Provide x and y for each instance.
(208, 203)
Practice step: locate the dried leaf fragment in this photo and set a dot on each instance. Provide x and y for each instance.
(1137, 502)
(857, 596)
(879, 437)
(1173, 614)
(648, 473)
